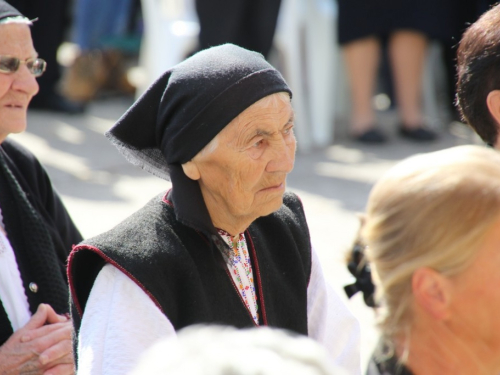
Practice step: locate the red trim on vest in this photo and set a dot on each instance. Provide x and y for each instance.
(239, 295)
(70, 280)
(165, 199)
(258, 278)
(110, 261)
(203, 237)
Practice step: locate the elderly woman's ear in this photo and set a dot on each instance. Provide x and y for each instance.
(432, 292)
(191, 170)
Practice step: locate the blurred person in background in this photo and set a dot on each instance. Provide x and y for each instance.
(48, 34)
(247, 23)
(104, 37)
(478, 71)
(227, 244)
(406, 26)
(462, 13)
(36, 232)
(215, 350)
(432, 231)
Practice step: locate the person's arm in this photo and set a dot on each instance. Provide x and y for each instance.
(42, 346)
(119, 323)
(331, 323)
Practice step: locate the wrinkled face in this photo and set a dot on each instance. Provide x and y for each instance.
(245, 174)
(478, 293)
(16, 89)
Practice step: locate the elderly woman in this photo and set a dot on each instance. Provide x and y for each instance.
(226, 244)
(36, 232)
(433, 237)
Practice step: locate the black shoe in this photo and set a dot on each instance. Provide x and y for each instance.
(371, 136)
(419, 134)
(56, 103)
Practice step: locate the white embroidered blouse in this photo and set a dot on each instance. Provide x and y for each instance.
(240, 268)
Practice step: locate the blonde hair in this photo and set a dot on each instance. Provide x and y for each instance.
(431, 210)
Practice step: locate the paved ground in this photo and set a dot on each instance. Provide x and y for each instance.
(100, 188)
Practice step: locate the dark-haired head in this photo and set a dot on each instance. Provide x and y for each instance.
(478, 69)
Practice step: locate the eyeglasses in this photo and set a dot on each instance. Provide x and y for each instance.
(9, 64)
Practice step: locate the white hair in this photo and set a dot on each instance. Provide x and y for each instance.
(16, 19)
(217, 350)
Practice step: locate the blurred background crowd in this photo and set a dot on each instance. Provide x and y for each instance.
(348, 62)
(345, 60)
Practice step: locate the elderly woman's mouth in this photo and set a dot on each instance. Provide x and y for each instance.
(15, 106)
(276, 187)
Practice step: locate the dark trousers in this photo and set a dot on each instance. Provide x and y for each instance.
(247, 23)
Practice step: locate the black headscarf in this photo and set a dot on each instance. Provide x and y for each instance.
(184, 110)
(7, 10)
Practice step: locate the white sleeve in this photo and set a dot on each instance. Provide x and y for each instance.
(331, 323)
(119, 323)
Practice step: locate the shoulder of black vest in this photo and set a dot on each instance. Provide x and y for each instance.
(148, 237)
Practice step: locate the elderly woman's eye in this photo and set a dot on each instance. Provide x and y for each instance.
(258, 143)
(288, 130)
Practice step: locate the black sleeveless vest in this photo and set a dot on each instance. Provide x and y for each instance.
(183, 273)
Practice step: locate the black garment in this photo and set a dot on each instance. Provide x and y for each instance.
(184, 274)
(247, 23)
(363, 18)
(389, 366)
(62, 233)
(6, 10)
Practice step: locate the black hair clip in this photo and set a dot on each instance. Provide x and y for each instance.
(359, 267)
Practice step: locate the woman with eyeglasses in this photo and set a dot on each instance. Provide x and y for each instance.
(36, 232)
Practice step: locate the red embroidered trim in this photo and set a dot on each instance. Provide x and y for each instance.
(70, 280)
(165, 200)
(203, 237)
(110, 261)
(255, 266)
(241, 298)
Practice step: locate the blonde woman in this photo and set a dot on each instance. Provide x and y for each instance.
(433, 240)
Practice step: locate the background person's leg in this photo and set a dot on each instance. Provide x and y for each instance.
(219, 21)
(362, 59)
(258, 25)
(407, 51)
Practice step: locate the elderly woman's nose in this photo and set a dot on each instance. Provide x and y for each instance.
(25, 81)
(283, 156)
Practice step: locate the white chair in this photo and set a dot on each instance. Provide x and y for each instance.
(305, 40)
(170, 33)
